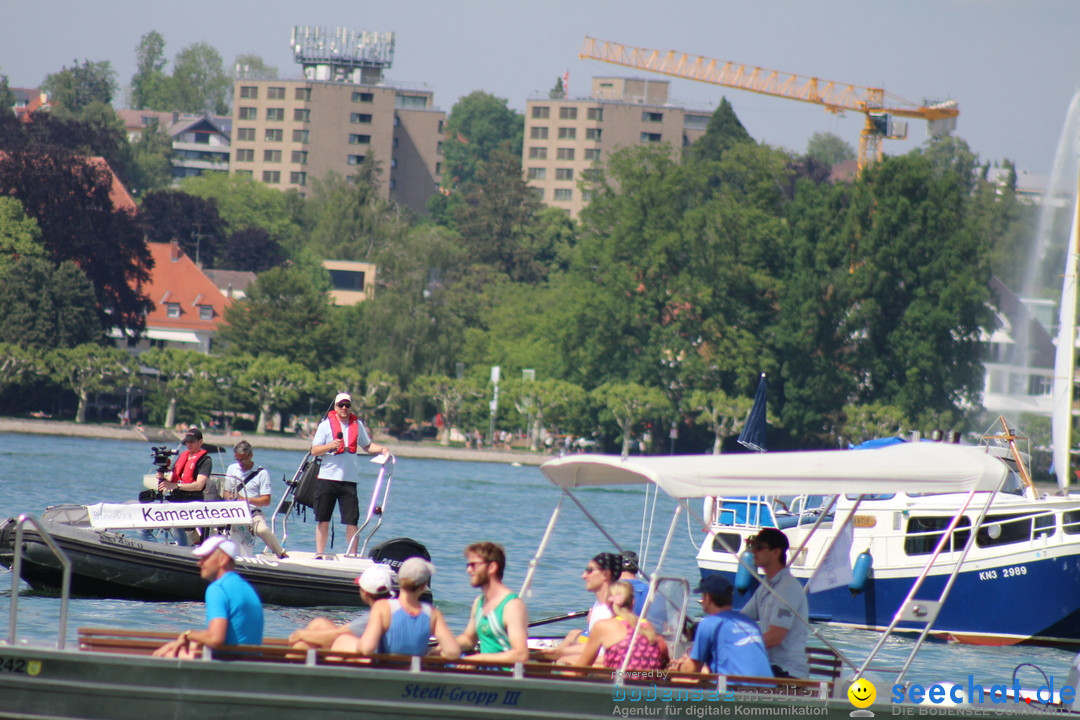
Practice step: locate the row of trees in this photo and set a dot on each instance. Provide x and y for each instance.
(690, 273)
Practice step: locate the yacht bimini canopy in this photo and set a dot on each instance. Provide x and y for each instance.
(910, 467)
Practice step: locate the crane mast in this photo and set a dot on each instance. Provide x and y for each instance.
(877, 106)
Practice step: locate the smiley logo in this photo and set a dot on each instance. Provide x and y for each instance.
(862, 693)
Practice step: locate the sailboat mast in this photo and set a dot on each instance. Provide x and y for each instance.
(1065, 356)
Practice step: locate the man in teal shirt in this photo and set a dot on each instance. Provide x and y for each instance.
(499, 620)
(234, 614)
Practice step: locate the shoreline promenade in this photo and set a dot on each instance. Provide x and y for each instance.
(400, 448)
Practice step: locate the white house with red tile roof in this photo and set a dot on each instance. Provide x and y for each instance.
(188, 307)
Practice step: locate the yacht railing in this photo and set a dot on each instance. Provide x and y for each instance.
(16, 570)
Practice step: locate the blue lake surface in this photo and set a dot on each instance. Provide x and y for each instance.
(446, 505)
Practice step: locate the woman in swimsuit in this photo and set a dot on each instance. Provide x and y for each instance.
(613, 636)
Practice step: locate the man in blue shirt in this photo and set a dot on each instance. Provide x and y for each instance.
(234, 614)
(726, 641)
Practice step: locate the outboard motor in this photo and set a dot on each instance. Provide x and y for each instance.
(397, 550)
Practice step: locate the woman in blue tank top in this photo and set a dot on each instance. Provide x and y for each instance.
(403, 625)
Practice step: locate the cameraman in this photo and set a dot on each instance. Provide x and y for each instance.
(190, 472)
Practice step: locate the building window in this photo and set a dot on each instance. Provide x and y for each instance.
(245, 173)
(272, 156)
(393, 184)
(300, 136)
(538, 153)
(275, 135)
(442, 126)
(298, 178)
(301, 114)
(590, 174)
(364, 97)
(563, 194)
(206, 312)
(592, 133)
(650, 137)
(393, 162)
(538, 193)
(360, 118)
(275, 93)
(303, 94)
(568, 113)
(356, 159)
(564, 173)
(299, 157)
(411, 102)
(359, 139)
(395, 142)
(538, 133)
(248, 113)
(596, 114)
(438, 148)
(541, 112)
(275, 114)
(536, 173)
(272, 176)
(249, 92)
(592, 154)
(564, 154)
(651, 117)
(566, 133)
(245, 135)
(245, 155)
(172, 310)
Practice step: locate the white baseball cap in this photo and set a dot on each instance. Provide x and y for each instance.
(377, 579)
(342, 396)
(218, 542)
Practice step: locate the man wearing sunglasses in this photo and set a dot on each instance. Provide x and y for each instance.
(782, 613)
(336, 441)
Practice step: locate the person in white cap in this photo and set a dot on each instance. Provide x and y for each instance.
(336, 441)
(376, 583)
(234, 614)
(403, 625)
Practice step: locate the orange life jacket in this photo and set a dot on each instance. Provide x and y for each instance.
(335, 431)
(184, 469)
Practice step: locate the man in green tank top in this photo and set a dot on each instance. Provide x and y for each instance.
(499, 620)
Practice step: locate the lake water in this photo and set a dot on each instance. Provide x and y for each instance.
(444, 504)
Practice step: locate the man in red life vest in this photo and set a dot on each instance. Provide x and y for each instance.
(336, 441)
(191, 469)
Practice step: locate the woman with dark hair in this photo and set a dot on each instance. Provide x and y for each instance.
(613, 636)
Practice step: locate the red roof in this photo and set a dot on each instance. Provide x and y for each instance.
(178, 282)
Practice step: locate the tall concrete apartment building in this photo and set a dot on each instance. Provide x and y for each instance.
(567, 137)
(287, 132)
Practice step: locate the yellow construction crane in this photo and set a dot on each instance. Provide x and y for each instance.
(834, 97)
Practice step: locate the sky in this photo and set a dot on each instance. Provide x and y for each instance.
(1013, 67)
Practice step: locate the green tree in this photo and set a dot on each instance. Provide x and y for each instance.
(192, 221)
(545, 403)
(873, 420)
(71, 199)
(151, 88)
(450, 396)
(7, 97)
(724, 131)
(20, 236)
(251, 249)
(253, 67)
(275, 383)
(51, 306)
(87, 369)
(629, 405)
(829, 149)
(348, 218)
(477, 126)
(719, 412)
(245, 203)
(286, 314)
(151, 160)
(74, 89)
(199, 81)
(17, 364)
(181, 373)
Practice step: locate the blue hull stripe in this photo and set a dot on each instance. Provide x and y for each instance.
(1030, 601)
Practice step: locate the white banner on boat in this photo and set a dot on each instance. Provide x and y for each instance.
(104, 516)
(835, 568)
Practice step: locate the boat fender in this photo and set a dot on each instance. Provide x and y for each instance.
(860, 573)
(745, 579)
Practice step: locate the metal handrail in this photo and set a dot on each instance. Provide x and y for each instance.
(16, 570)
